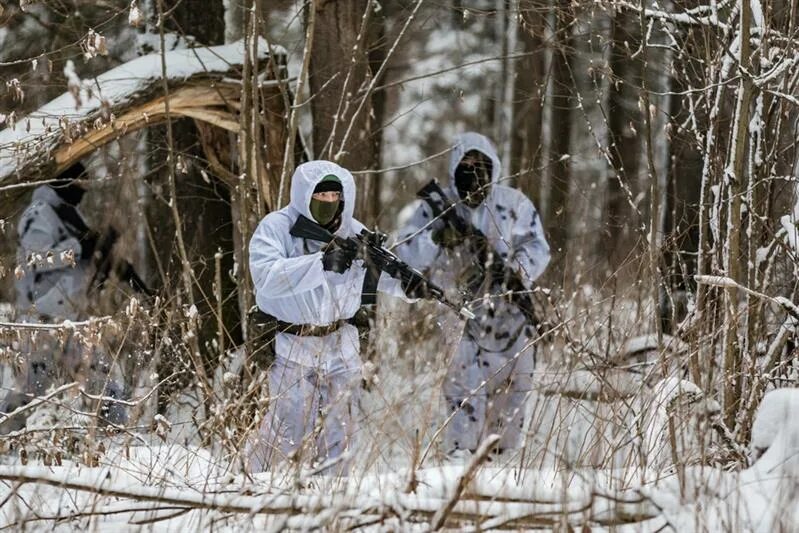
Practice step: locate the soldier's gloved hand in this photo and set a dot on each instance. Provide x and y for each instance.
(447, 237)
(414, 289)
(497, 271)
(71, 218)
(471, 278)
(478, 241)
(338, 259)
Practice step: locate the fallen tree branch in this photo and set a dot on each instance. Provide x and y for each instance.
(67, 324)
(37, 402)
(729, 283)
(440, 518)
(335, 506)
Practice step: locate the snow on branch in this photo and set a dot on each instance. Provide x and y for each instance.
(691, 17)
(444, 496)
(90, 105)
(729, 283)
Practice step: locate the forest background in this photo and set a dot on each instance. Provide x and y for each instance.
(657, 139)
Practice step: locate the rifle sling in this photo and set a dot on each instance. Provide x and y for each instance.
(369, 290)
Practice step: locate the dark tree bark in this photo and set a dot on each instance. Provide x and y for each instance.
(208, 222)
(562, 102)
(682, 214)
(202, 19)
(623, 122)
(370, 207)
(339, 75)
(529, 91)
(203, 203)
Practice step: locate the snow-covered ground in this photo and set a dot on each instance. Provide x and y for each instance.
(169, 487)
(598, 452)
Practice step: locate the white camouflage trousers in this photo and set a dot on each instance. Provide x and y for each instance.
(311, 415)
(486, 390)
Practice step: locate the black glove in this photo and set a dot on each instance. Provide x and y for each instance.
(478, 241)
(338, 259)
(497, 271)
(98, 249)
(127, 273)
(414, 288)
(447, 237)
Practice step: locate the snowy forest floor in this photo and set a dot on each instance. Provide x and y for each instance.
(598, 453)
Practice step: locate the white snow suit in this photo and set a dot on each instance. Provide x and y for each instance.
(51, 286)
(54, 288)
(490, 375)
(314, 381)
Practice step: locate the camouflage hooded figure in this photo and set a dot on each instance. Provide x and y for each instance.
(490, 375)
(55, 262)
(311, 290)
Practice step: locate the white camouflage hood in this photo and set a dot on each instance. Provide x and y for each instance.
(305, 179)
(474, 141)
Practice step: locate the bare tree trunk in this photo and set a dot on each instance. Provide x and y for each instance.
(733, 362)
(370, 204)
(623, 121)
(655, 236)
(558, 217)
(203, 212)
(507, 124)
(339, 73)
(682, 211)
(529, 90)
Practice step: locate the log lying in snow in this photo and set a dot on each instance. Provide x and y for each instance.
(204, 85)
(623, 376)
(605, 385)
(540, 500)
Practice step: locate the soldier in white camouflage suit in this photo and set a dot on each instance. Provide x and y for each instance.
(490, 376)
(310, 292)
(57, 263)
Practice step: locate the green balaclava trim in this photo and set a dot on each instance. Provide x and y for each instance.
(324, 212)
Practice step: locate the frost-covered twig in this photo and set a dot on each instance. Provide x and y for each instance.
(129, 403)
(65, 325)
(690, 17)
(440, 518)
(37, 402)
(465, 65)
(787, 328)
(402, 167)
(725, 282)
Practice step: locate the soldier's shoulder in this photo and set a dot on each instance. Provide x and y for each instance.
(510, 195)
(275, 222)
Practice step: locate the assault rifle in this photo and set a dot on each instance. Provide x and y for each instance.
(369, 246)
(444, 209)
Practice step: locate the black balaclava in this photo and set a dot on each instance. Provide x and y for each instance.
(473, 177)
(328, 214)
(67, 188)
